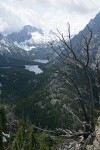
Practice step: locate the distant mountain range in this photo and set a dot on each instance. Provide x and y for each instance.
(25, 43)
(32, 42)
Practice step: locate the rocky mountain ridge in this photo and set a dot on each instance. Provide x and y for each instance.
(25, 43)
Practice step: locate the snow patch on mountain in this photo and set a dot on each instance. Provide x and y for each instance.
(36, 38)
(10, 49)
(24, 45)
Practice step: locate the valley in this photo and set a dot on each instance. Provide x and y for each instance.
(54, 93)
(27, 78)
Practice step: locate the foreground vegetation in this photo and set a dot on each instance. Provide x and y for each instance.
(24, 135)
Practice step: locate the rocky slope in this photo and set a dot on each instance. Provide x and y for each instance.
(75, 145)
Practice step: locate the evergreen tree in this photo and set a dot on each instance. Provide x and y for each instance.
(45, 142)
(1, 139)
(19, 140)
(32, 144)
(2, 125)
(20, 136)
(2, 117)
(14, 145)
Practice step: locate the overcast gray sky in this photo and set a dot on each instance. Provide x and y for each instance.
(46, 14)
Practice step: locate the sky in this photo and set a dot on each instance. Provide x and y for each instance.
(47, 14)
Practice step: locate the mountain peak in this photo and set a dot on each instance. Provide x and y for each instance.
(30, 28)
(24, 34)
(97, 15)
(94, 24)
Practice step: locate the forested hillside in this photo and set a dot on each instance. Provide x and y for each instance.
(44, 100)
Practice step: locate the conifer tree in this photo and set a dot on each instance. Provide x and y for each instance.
(20, 136)
(32, 144)
(45, 142)
(1, 138)
(2, 117)
(2, 125)
(14, 145)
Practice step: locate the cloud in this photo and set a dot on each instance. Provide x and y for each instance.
(47, 14)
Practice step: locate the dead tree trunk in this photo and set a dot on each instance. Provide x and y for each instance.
(84, 64)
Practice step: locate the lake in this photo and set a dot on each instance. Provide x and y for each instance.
(41, 61)
(33, 68)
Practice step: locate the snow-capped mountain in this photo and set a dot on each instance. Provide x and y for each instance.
(24, 34)
(25, 43)
(32, 42)
(9, 49)
(30, 37)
